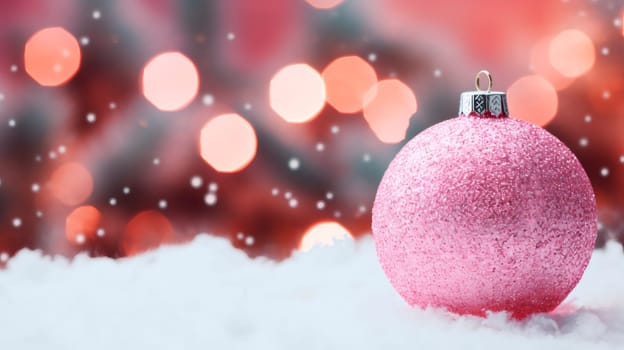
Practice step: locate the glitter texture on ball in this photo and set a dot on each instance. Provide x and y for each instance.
(480, 214)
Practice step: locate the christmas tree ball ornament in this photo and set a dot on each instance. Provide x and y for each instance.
(484, 212)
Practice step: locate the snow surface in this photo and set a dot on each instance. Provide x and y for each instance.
(207, 295)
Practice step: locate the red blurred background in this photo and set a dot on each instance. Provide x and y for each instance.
(129, 124)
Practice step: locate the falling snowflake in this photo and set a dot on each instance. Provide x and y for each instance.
(100, 232)
(210, 198)
(208, 100)
(91, 117)
(196, 181)
(80, 238)
(583, 142)
(293, 203)
(249, 240)
(213, 187)
(294, 164)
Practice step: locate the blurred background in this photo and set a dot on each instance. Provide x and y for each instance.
(129, 124)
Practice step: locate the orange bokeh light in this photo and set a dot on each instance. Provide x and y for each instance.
(540, 62)
(147, 230)
(228, 143)
(84, 221)
(52, 56)
(347, 80)
(324, 4)
(572, 53)
(170, 81)
(324, 233)
(388, 107)
(297, 93)
(71, 183)
(534, 99)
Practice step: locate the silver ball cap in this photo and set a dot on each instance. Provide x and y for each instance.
(484, 103)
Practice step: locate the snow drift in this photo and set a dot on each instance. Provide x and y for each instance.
(207, 295)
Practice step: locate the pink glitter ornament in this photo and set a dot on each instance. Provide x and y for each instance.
(485, 213)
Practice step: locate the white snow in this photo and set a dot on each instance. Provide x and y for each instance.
(208, 295)
(91, 117)
(213, 187)
(210, 198)
(320, 205)
(294, 163)
(208, 100)
(196, 181)
(293, 202)
(17, 222)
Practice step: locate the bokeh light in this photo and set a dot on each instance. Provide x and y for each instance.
(572, 53)
(388, 107)
(228, 143)
(324, 4)
(82, 223)
(303, 77)
(52, 56)
(297, 93)
(71, 183)
(170, 81)
(532, 98)
(347, 80)
(323, 234)
(540, 64)
(147, 230)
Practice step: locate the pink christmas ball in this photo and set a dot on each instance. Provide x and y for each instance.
(485, 214)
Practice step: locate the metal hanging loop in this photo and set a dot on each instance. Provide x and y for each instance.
(478, 80)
